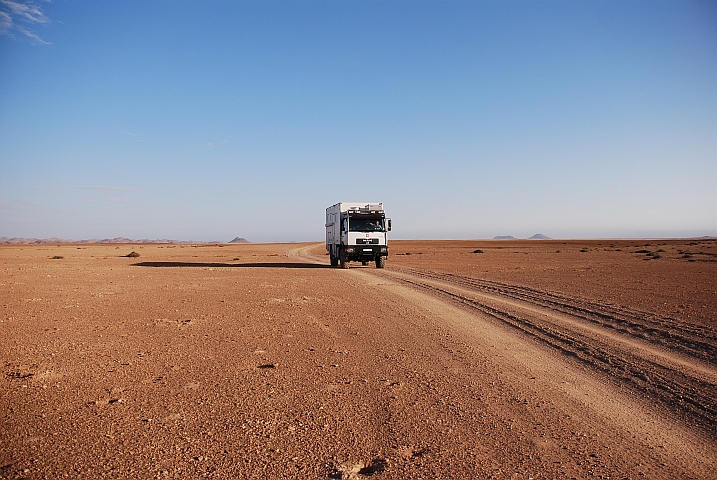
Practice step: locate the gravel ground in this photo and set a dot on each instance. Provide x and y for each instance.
(261, 361)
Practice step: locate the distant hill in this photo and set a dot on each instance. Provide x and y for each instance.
(504, 237)
(539, 236)
(240, 240)
(65, 241)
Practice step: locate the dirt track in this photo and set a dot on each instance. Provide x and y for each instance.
(260, 361)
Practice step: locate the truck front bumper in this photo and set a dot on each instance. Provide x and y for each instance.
(365, 251)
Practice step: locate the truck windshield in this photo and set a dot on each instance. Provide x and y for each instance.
(358, 224)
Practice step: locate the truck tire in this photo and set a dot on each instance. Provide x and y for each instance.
(380, 262)
(344, 262)
(334, 261)
(364, 263)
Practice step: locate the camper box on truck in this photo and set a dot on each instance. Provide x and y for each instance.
(357, 232)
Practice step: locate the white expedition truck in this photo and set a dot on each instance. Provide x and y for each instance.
(357, 232)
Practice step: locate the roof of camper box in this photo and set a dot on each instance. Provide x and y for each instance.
(346, 206)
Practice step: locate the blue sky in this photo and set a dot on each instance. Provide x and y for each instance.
(209, 120)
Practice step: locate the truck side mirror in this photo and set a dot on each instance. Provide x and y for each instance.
(389, 224)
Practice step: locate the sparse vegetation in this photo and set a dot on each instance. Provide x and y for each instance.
(132, 255)
(584, 249)
(650, 254)
(57, 257)
(478, 251)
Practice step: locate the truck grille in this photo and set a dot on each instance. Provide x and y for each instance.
(366, 241)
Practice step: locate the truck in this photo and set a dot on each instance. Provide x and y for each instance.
(357, 232)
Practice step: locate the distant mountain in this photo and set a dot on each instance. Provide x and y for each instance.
(539, 236)
(31, 241)
(59, 241)
(504, 237)
(240, 240)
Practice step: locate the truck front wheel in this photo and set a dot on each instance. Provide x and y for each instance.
(344, 262)
(380, 262)
(334, 261)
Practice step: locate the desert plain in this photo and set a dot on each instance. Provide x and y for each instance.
(460, 359)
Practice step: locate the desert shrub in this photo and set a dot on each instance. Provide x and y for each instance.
(132, 255)
(57, 257)
(643, 251)
(478, 251)
(584, 249)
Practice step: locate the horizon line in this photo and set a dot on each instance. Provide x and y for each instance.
(127, 241)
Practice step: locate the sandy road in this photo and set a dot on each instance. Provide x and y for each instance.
(677, 380)
(261, 361)
(655, 380)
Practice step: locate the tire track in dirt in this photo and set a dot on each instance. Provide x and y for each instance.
(695, 341)
(685, 387)
(658, 394)
(667, 362)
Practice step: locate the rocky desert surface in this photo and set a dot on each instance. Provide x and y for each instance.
(461, 359)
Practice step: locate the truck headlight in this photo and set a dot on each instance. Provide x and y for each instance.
(349, 249)
(384, 249)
